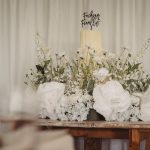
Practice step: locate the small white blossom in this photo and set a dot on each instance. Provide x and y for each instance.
(101, 74)
(61, 54)
(74, 107)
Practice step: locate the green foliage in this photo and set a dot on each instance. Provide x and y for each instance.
(79, 72)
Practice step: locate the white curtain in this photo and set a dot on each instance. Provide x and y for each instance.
(123, 23)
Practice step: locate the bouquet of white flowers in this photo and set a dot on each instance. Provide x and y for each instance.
(115, 87)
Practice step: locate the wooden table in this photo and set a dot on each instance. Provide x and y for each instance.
(93, 131)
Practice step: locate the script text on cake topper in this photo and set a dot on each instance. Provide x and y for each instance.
(90, 19)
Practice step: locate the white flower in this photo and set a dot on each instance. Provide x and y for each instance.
(74, 107)
(136, 98)
(145, 106)
(97, 59)
(109, 98)
(49, 94)
(61, 54)
(46, 51)
(111, 55)
(101, 74)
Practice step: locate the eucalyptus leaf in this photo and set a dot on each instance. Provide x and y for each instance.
(46, 63)
(90, 86)
(136, 66)
(40, 69)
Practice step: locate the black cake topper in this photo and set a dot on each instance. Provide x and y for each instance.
(90, 19)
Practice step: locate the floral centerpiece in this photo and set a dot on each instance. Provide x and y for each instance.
(116, 87)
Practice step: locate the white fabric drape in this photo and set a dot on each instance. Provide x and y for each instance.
(123, 23)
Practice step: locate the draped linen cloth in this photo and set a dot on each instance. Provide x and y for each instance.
(123, 23)
(28, 137)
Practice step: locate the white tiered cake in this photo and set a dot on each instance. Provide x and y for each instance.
(91, 38)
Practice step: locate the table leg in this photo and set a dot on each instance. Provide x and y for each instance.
(134, 139)
(92, 144)
(79, 143)
(148, 143)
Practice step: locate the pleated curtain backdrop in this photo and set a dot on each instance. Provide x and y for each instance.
(123, 23)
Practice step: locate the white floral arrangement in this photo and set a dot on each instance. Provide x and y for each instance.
(116, 87)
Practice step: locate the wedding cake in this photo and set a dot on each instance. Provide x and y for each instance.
(90, 38)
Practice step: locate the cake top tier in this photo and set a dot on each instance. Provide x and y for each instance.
(90, 38)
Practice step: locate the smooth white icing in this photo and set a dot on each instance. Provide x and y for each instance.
(91, 38)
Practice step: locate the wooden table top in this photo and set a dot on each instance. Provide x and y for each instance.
(94, 124)
(76, 124)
